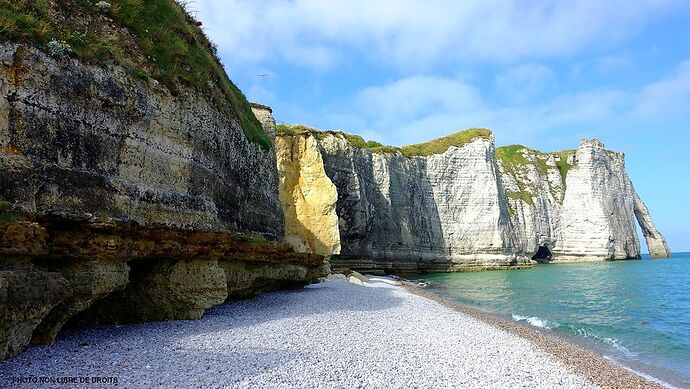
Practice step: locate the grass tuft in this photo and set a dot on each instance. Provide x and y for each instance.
(441, 145)
(175, 49)
(437, 146)
(7, 215)
(562, 163)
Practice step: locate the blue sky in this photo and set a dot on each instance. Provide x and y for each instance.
(540, 73)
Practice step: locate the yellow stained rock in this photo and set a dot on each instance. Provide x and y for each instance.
(307, 195)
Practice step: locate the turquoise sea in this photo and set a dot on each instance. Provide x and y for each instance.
(636, 312)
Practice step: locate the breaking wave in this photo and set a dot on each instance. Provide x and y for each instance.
(537, 321)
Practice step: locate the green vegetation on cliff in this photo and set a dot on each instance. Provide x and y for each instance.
(441, 145)
(286, 129)
(436, 146)
(6, 215)
(512, 157)
(374, 146)
(514, 160)
(562, 163)
(353, 140)
(161, 41)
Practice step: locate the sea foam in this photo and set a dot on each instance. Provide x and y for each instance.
(537, 321)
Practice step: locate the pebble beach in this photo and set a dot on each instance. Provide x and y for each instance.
(383, 333)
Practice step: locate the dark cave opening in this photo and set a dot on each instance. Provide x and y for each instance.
(543, 254)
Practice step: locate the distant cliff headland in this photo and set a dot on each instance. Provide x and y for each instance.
(458, 203)
(138, 184)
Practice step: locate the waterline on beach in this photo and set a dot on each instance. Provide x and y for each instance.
(635, 312)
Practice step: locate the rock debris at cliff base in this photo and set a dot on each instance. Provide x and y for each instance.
(333, 334)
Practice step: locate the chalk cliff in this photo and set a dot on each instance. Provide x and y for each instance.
(134, 186)
(434, 213)
(575, 204)
(458, 203)
(264, 114)
(307, 195)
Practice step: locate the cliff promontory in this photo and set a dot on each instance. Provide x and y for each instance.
(136, 184)
(458, 203)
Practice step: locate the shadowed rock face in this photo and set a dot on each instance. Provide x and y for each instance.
(120, 202)
(111, 272)
(467, 209)
(26, 297)
(89, 281)
(435, 213)
(82, 140)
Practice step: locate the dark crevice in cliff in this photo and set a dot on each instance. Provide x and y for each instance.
(543, 255)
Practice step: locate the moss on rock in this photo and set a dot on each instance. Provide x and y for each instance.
(436, 146)
(7, 215)
(441, 145)
(152, 38)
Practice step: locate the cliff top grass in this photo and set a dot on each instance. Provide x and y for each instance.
(436, 146)
(161, 41)
(441, 145)
(289, 129)
(354, 140)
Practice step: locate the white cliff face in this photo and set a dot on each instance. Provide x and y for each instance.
(658, 248)
(475, 207)
(582, 211)
(438, 212)
(471, 206)
(597, 215)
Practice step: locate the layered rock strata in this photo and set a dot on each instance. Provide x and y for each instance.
(81, 139)
(122, 202)
(436, 213)
(53, 270)
(471, 206)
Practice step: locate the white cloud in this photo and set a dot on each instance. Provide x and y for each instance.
(670, 96)
(410, 97)
(523, 82)
(412, 34)
(420, 108)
